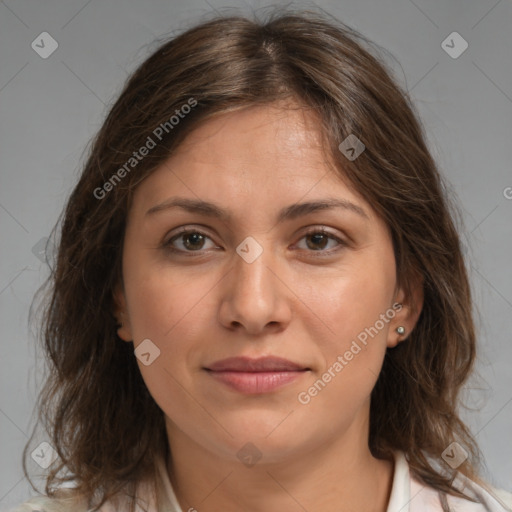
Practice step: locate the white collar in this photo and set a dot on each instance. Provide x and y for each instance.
(401, 488)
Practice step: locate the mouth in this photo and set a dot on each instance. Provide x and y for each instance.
(256, 376)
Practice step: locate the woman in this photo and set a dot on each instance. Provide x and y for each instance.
(259, 300)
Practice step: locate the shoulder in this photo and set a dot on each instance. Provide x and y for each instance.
(486, 499)
(65, 502)
(46, 504)
(411, 494)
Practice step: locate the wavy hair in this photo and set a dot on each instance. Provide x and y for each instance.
(94, 397)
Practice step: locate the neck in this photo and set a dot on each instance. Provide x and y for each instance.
(339, 475)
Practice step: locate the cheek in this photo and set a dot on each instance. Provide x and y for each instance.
(164, 300)
(173, 312)
(355, 307)
(352, 354)
(351, 301)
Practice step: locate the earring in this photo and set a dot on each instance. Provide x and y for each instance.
(400, 330)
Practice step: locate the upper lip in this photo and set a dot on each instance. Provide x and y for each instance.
(262, 364)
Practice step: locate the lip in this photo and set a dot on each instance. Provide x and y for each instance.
(255, 376)
(260, 364)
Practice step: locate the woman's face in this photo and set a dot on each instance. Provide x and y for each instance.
(258, 280)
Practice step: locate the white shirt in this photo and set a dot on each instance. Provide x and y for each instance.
(407, 495)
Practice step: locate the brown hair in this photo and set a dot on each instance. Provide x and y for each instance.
(227, 63)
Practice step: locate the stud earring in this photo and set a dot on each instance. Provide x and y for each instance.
(400, 330)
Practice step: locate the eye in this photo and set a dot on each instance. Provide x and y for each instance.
(190, 240)
(194, 241)
(318, 238)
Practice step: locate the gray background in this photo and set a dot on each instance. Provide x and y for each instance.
(50, 108)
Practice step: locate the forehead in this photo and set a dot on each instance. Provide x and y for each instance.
(251, 159)
(269, 137)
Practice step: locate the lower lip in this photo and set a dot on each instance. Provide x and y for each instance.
(256, 382)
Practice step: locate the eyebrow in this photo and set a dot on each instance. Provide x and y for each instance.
(291, 212)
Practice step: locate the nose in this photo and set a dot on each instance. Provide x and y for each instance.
(254, 296)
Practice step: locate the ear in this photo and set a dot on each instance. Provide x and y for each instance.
(408, 309)
(124, 330)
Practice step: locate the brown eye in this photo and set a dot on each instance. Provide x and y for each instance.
(187, 241)
(193, 240)
(318, 240)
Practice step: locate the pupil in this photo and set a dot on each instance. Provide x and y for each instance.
(316, 238)
(196, 238)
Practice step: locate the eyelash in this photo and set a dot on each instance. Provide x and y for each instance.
(314, 231)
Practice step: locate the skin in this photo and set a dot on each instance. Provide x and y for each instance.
(290, 302)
